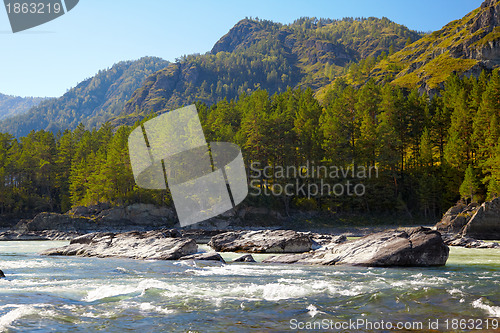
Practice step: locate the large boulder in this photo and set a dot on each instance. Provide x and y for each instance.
(158, 244)
(262, 241)
(403, 247)
(485, 223)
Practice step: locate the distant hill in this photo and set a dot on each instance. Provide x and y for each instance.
(14, 105)
(465, 47)
(263, 54)
(92, 102)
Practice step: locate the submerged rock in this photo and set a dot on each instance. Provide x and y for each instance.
(158, 244)
(262, 241)
(211, 256)
(405, 247)
(245, 258)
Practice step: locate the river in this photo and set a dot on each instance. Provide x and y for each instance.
(72, 294)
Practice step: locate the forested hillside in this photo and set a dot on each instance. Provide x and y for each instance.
(260, 54)
(464, 47)
(91, 102)
(14, 105)
(424, 148)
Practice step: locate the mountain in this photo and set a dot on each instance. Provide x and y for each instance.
(14, 105)
(263, 54)
(465, 47)
(92, 102)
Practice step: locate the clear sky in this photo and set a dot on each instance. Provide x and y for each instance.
(49, 59)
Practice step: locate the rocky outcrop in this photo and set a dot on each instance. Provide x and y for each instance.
(245, 258)
(158, 244)
(102, 218)
(406, 247)
(262, 241)
(485, 223)
(473, 220)
(37, 235)
(456, 218)
(209, 256)
(241, 35)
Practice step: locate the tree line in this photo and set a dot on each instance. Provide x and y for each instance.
(429, 151)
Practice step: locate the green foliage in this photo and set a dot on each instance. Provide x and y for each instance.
(470, 185)
(423, 150)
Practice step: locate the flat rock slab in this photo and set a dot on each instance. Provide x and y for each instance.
(37, 235)
(403, 247)
(262, 241)
(158, 244)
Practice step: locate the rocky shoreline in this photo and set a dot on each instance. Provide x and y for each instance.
(148, 232)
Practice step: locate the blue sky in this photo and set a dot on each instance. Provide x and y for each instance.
(51, 58)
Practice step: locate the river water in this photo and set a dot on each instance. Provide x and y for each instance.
(72, 294)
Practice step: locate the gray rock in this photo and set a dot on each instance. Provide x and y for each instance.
(328, 240)
(468, 242)
(245, 258)
(405, 247)
(54, 221)
(211, 256)
(485, 223)
(456, 218)
(201, 236)
(473, 221)
(37, 235)
(262, 241)
(102, 217)
(159, 244)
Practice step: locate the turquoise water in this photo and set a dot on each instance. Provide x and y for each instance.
(71, 294)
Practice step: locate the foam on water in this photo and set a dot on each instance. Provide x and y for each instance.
(491, 310)
(20, 311)
(106, 291)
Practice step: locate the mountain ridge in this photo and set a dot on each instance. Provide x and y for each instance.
(465, 46)
(272, 56)
(92, 102)
(14, 105)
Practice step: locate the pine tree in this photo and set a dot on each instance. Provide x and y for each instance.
(470, 185)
